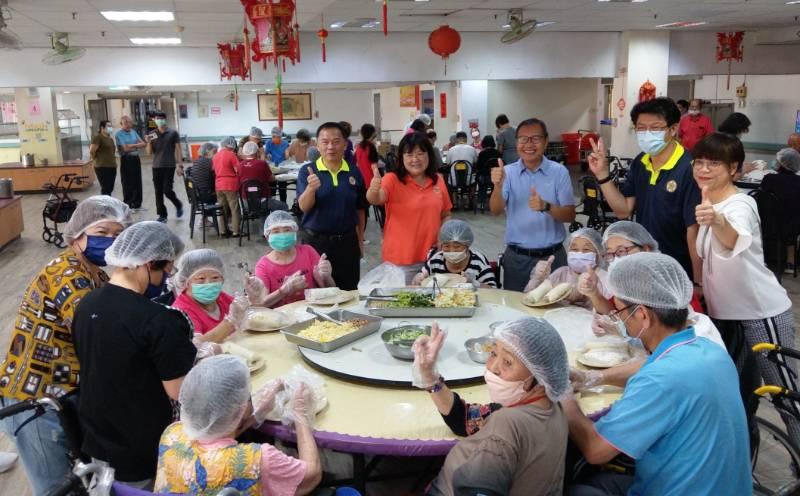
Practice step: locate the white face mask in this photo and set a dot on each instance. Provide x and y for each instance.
(109, 129)
(502, 391)
(580, 262)
(652, 142)
(455, 256)
(694, 112)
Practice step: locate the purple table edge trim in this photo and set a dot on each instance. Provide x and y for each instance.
(365, 445)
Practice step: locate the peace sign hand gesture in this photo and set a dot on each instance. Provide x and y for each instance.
(598, 163)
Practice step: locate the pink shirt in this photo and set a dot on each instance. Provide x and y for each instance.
(281, 474)
(202, 321)
(273, 274)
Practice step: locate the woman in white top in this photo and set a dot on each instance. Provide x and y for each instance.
(743, 297)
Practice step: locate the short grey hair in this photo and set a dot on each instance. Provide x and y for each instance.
(208, 148)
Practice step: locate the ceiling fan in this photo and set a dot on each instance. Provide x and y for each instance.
(62, 52)
(520, 28)
(8, 39)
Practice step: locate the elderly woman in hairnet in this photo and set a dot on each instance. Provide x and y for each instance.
(283, 273)
(256, 136)
(584, 256)
(47, 310)
(226, 184)
(215, 407)
(134, 354)
(201, 172)
(454, 256)
(681, 417)
(785, 185)
(516, 444)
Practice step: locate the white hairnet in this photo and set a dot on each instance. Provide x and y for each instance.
(191, 263)
(312, 155)
(276, 131)
(144, 242)
(214, 397)
(249, 148)
(789, 159)
(538, 346)
(229, 142)
(633, 232)
(456, 231)
(98, 208)
(591, 236)
(279, 218)
(650, 279)
(256, 131)
(207, 148)
(425, 118)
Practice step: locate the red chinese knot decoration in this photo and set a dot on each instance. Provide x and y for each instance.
(444, 41)
(323, 34)
(276, 38)
(729, 47)
(234, 62)
(647, 91)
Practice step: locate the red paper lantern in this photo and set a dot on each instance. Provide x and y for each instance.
(275, 34)
(323, 33)
(444, 41)
(729, 47)
(233, 61)
(647, 91)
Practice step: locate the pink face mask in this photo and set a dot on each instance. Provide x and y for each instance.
(502, 391)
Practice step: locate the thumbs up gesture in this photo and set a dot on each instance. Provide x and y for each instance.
(541, 270)
(375, 184)
(535, 202)
(324, 267)
(587, 283)
(498, 174)
(598, 163)
(705, 213)
(313, 180)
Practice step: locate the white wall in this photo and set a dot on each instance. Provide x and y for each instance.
(694, 52)
(474, 101)
(74, 102)
(393, 117)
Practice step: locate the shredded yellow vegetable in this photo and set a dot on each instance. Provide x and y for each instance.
(450, 298)
(325, 332)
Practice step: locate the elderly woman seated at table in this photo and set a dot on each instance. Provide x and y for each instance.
(516, 444)
(454, 256)
(283, 273)
(298, 148)
(785, 185)
(585, 256)
(201, 172)
(200, 455)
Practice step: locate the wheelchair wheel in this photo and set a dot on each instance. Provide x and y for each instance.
(776, 460)
(575, 226)
(47, 236)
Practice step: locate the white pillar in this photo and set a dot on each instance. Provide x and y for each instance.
(450, 124)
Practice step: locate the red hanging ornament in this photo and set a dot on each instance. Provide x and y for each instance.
(385, 19)
(444, 41)
(729, 47)
(297, 35)
(246, 38)
(233, 61)
(323, 34)
(647, 91)
(275, 35)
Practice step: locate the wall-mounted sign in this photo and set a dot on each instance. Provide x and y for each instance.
(216, 110)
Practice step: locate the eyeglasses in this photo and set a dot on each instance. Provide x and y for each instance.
(707, 164)
(652, 129)
(418, 155)
(615, 314)
(621, 252)
(536, 139)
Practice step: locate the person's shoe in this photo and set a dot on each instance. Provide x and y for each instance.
(789, 269)
(179, 212)
(7, 460)
(162, 219)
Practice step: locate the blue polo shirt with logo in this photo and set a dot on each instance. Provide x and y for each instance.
(665, 202)
(338, 199)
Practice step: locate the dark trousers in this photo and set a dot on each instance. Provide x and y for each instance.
(106, 176)
(517, 267)
(602, 484)
(163, 178)
(343, 252)
(130, 174)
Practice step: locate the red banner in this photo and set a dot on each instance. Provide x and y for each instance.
(443, 105)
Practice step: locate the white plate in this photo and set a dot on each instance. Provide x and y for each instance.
(595, 358)
(342, 297)
(287, 321)
(544, 303)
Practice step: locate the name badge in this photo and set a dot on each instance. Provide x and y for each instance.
(672, 186)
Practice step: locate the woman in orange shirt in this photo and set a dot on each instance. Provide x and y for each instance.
(416, 201)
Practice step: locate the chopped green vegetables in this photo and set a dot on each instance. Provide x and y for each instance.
(410, 299)
(405, 336)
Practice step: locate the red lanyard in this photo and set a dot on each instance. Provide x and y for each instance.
(529, 401)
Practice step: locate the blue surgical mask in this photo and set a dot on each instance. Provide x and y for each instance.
(109, 129)
(651, 142)
(623, 330)
(207, 292)
(155, 290)
(96, 247)
(161, 122)
(282, 241)
(580, 262)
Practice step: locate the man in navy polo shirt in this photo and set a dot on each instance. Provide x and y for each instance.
(332, 195)
(536, 195)
(659, 188)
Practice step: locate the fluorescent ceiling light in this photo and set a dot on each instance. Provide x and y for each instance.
(338, 24)
(538, 24)
(67, 92)
(622, 1)
(156, 41)
(793, 2)
(128, 15)
(371, 24)
(119, 88)
(682, 24)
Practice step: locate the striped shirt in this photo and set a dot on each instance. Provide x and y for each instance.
(478, 266)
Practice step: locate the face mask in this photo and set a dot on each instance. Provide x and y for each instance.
(623, 330)
(206, 293)
(109, 129)
(476, 135)
(155, 290)
(455, 256)
(276, 140)
(502, 391)
(96, 247)
(580, 262)
(161, 122)
(694, 112)
(282, 241)
(651, 142)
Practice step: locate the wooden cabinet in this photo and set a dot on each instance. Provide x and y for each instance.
(31, 179)
(11, 224)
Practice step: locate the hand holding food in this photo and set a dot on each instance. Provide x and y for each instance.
(264, 399)
(237, 312)
(421, 276)
(603, 325)
(292, 284)
(255, 289)
(302, 406)
(584, 379)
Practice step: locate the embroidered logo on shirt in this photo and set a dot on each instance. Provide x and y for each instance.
(672, 186)
(352, 181)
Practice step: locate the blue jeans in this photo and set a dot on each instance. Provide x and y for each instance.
(42, 447)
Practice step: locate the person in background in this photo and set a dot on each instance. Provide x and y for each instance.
(462, 151)
(536, 195)
(283, 273)
(417, 126)
(735, 124)
(331, 194)
(745, 300)
(436, 151)
(256, 136)
(216, 407)
(417, 202)
(785, 185)
(276, 147)
(426, 122)
(298, 148)
(659, 188)
(488, 158)
(451, 142)
(313, 155)
(794, 141)
(349, 151)
(686, 436)
(49, 303)
(516, 444)
(506, 139)
(201, 172)
(367, 153)
(252, 168)
(101, 152)
(694, 126)
(453, 255)
(476, 139)
(683, 106)
(163, 144)
(585, 256)
(134, 354)
(226, 184)
(130, 168)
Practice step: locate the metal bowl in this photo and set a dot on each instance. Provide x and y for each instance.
(472, 346)
(402, 350)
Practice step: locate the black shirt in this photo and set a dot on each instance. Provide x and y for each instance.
(127, 345)
(785, 185)
(202, 175)
(487, 159)
(164, 148)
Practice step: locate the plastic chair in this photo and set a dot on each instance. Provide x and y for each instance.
(253, 203)
(462, 184)
(199, 206)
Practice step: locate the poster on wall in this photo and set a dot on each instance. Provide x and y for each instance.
(296, 107)
(408, 96)
(797, 122)
(216, 110)
(183, 111)
(202, 111)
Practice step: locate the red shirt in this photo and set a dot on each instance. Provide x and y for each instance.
(255, 169)
(225, 163)
(694, 128)
(273, 274)
(364, 164)
(202, 321)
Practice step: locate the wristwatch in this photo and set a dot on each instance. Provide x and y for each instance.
(603, 181)
(546, 207)
(437, 386)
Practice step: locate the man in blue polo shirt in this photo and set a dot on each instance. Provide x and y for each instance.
(332, 195)
(536, 195)
(129, 143)
(681, 416)
(659, 188)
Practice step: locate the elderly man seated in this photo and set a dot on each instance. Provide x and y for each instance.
(681, 417)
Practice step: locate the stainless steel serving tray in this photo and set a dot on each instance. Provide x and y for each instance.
(290, 333)
(382, 308)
